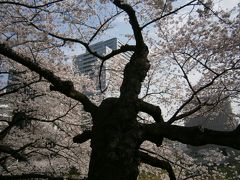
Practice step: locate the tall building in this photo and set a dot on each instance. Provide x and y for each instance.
(220, 120)
(88, 64)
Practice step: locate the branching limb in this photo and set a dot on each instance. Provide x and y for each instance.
(57, 118)
(103, 25)
(16, 89)
(206, 6)
(16, 119)
(30, 6)
(81, 138)
(167, 14)
(136, 70)
(195, 136)
(14, 153)
(176, 115)
(155, 162)
(132, 20)
(152, 110)
(64, 87)
(122, 49)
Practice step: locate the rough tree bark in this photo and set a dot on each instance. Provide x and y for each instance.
(116, 137)
(115, 142)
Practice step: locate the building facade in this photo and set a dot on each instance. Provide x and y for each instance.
(220, 120)
(88, 64)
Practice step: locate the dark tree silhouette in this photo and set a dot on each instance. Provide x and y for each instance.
(116, 134)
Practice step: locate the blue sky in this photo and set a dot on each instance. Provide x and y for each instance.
(122, 27)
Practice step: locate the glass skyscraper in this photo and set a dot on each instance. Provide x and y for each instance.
(88, 64)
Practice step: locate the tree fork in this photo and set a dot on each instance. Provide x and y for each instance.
(65, 87)
(155, 162)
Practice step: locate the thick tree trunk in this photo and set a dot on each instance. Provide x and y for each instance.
(115, 143)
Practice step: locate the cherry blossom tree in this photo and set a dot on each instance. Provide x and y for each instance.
(155, 81)
(42, 119)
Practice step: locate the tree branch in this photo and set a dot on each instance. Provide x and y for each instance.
(122, 49)
(208, 84)
(104, 24)
(16, 119)
(152, 110)
(195, 136)
(64, 87)
(155, 162)
(30, 6)
(132, 20)
(14, 89)
(136, 70)
(214, 13)
(14, 153)
(167, 14)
